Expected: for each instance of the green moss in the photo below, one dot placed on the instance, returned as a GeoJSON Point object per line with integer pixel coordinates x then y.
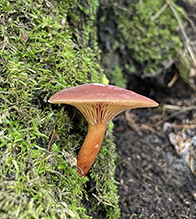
{"type": "Point", "coordinates": [118, 78]}
{"type": "Point", "coordinates": [133, 40]}
{"type": "Point", "coordinates": [41, 53]}
{"type": "Point", "coordinates": [150, 41]}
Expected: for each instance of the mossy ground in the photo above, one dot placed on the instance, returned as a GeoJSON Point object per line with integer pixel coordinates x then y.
{"type": "Point", "coordinates": [152, 39]}
{"type": "Point", "coordinates": [46, 46]}
{"type": "Point", "coordinates": [137, 37]}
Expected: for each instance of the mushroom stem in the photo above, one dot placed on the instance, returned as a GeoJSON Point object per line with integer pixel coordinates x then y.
{"type": "Point", "coordinates": [90, 147]}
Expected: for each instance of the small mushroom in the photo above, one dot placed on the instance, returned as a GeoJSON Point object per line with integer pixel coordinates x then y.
{"type": "Point", "coordinates": [99, 104]}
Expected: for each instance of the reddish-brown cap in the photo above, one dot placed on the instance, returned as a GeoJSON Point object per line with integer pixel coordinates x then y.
{"type": "Point", "coordinates": [100, 103]}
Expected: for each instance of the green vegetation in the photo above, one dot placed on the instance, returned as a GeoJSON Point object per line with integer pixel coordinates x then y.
{"type": "Point", "coordinates": [117, 77]}
{"type": "Point", "coordinates": [137, 37]}
{"type": "Point", "coordinates": [150, 41]}
{"type": "Point", "coordinates": [46, 46]}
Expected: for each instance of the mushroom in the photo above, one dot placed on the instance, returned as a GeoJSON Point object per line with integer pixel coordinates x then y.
{"type": "Point", "coordinates": [99, 104]}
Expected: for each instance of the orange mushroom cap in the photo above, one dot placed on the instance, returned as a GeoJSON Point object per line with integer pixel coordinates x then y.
{"type": "Point", "coordinates": [100, 103]}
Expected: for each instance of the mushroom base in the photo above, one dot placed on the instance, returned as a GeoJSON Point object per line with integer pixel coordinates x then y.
{"type": "Point", "coordinates": [90, 147]}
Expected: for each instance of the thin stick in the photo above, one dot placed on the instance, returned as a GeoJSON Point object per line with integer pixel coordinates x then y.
{"type": "Point", "coordinates": [159, 12]}
{"type": "Point", "coordinates": [81, 171]}
{"type": "Point", "coordinates": [183, 110]}
{"type": "Point", "coordinates": [173, 80]}
{"type": "Point", "coordinates": [51, 139]}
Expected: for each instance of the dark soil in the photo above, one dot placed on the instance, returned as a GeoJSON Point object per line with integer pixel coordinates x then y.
{"type": "Point", "coordinates": [157, 179]}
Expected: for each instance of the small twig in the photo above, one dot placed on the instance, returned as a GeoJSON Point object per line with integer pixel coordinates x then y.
{"type": "Point", "coordinates": [81, 171]}
{"type": "Point", "coordinates": [159, 12]}
{"type": "Point", "coordinates": [131, 122]}
{"type": "Point", "coordinates": [190, 163]}
{"type": "Point", "coordinates": [149, 128]}
{"type": "Point", "coordinates": [51, 139]}
{"type": "Point", "coordinates": [73, 114]}
{"type": "Point", "coordinates": [185, 126]}
{"type": "Point", "coordinates": [173, 80]}
{"type": "Point", "coordinates": [176, 114]}
{"type": "Point", "coordinates": [25, 36]}
{"type": "Point", "coordinates": [5, 42]}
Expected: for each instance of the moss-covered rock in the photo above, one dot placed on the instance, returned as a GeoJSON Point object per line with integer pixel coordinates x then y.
{"type": "Point", "coordinates": [45, 47]}
{"type": "Point", "coordinates": [137, 36]}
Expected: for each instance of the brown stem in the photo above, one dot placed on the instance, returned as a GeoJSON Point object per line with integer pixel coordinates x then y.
{"type": "Point", "coordinates": [90, 147]}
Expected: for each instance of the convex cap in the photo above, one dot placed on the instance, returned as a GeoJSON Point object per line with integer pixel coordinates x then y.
{"type": "Point", "coordinates": [100, 103]}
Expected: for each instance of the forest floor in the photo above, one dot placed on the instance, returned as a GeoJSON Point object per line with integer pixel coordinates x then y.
{"type": "Point", "coordinates": [156, 155]}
